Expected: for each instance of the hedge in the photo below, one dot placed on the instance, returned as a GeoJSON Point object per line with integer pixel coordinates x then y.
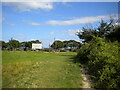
{"type": "Point", "coordinates": [101, 57]}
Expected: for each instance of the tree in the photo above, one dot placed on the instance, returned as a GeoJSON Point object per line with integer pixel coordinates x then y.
{"type": "Point", "coordinates": [114, 35]}
{"type": "Point", "coordinates": [13, 44]}
{"type": "Point", "coordinates": [4, 45]}
{"type": "Point", "coordinates": [57, 44]}
{"type": "Point", "coordinates": [102, 30]}
{"type": "Point", "coordinates": [28, 44]}
{"type": "Point", "coordinates": [105, 28]}
{"type": "Point", "coordinates": [73, 44]}
{"type": "Point", "coordinates": [87, 34]}
{"type": "Point", "coordinates": [65, 44]}
{"type": "Point", "coordinates": [35, 41]}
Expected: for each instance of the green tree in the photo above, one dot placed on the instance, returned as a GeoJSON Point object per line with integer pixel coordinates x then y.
{"type": "Point", "coordinates": [87, 34]}
{"type": "Point", "coordinates": [73, 44]}
{"type": "Point", "coordinates": [4, 45]}
{"type": "Point", "coordinates": [104, 29]}
{"type": "Point", "coordinates": [114, 35]}
{"type": "Point", "coordinates": [13, 44]}
{"type": "Point", "coordinates": [65, 44]}
{"type": "Point", "coordinates": [57, 44]}
{"type": "Point", "coordinates": [28, 44]}
{"type": "Point", "coordinates": [35, 41]}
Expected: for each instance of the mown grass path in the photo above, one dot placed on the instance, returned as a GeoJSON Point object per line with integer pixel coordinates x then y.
{"type": "Point", "coordinates": [40, 70]}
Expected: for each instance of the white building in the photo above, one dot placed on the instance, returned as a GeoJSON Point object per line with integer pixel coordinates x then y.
{"type": "Point", "coordinates": [36, 46]}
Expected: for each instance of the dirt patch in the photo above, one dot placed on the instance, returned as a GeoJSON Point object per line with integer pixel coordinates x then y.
{"type": "Point", "coordinates": [86, 78]}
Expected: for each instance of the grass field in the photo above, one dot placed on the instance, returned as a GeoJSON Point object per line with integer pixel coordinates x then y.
{"type": "Point", "coordinates": [40, 70]}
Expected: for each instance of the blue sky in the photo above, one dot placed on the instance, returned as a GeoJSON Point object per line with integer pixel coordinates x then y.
{"type": "Point", "coordinates": [44, 21]}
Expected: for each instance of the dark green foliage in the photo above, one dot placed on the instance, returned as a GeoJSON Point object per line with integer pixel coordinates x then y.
{"type": "Point", "coordinates": [4, 45]}
{"type": "Point", "coordinates": [102, 60]}
{"type": "Point", "coordinates": [13, 44]}
{"type": "Point", "coordinates": [62, 50]}
{"type": "Point", "coordinates": [29, 43]}
{"type": "Point", "coordinates": [100, 53]}
{"type": "Point", "coordinates": [57, 44]}
{"type": "Point", "coordinates": [74, 50]}
{"type": "Point", "coordinates": [114, 35]}
{"type": "Point", "coordinates": [105, 30]}
{"type": "Point", "coordinates": [73, 44]}
{"type": "Point", "coordinates": [65, 44]}
{"type": "Point", "coordinates": [87, 34]}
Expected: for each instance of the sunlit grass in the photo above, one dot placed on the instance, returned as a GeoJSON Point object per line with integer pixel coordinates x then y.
{"type": "Point", "coordinates": [40, 70]}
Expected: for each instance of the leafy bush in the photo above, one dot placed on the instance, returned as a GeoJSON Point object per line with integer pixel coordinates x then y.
{"type": "Point", "coordinates": [74, 50]}
{"type": "Point", "coordinates": [46, 50]}
{"type": "Point", "coordinates": [62, 50]}
{"type": "Point", "coordinates": [101, 58]}
{"type": "Point", "coordinates": [83, 51]}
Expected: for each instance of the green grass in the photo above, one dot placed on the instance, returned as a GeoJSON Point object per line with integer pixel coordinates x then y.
{"type": "Point", "coordinates": [40, 70]}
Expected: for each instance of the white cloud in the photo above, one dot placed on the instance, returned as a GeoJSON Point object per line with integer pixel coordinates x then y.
{"type": "Point", "coordinates": [28, 6]}
{"type": "Point", "coordinates": [62, 39]}
{"type": "Point", "coordinates": [46, 42]}
{"type": "Point", "coordinates": [11, 24]}
{"type": "Point", "coordinates": [61, 0]}
{"type": "Point", "coordinates": [83, 20]}
{"type": "Point", "coordinates": [2, 19]}
{"type": "Point", "coordinates": [76, 39]}
{"type": "Point", "coordinates": [71, 32]}
{"type": "Point", "coordinates": [35, 24]}
{"type": "Point", "coordinates": [75, 21]}
{"type": "Point", "coordinates": [20, 37]}
{"type": "Point", "coordinates": [32, 39]}
{"type": "Point", "coordinates": [52, 33]}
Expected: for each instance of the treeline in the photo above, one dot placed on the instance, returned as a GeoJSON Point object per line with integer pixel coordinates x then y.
{"type": "Point", "coordinates": [14, 45]}
{"type": "Point", "coordinates": [57, 45]}
{"type": "Point", "coordinates": [100, 54]}
{"type": "Point", "coordinates": [71, 44]}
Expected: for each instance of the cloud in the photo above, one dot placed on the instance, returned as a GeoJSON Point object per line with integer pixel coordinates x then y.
{"type": "Point", "coordinates": [11, 24]}
{"type": "Point", "coordinates": [35, 24]}
{"type": "Point", "coordinates": [70, 32]}
{"type": "Point", "coordinates": [32, 39]}
{"type": "Point", "coordinates": [61, 0]}
{"type": "Point", "coordinates": [78, 40]}
{"type": "Point", "coordinates": [46, 42]}
{"type": "Point", "coordinates": [75, 21]}
{"type": "Point", "coordinates": [83, 20]}
{"type": "Point", "coordinates": [28, 6]}
{"type": "Point", "coordinates": [52, 33]}
{"type": "Point", "coordinates": [20, 37]}
{"type": "Point", "coordinates": [2, 19]}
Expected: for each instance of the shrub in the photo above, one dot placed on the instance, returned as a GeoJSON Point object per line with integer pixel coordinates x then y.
{"type": "Point", "coordinates": [74, 50]}
{"type": "Point", "coordinates": [83, 51]}
{"type": "Point", "coordinates": [101, 58]}
{"type": "Point", "coordinates": [62, 50]}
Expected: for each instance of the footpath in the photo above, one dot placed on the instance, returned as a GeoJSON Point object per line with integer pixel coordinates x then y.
{"type": "Point", "coordinates": [86, 78]}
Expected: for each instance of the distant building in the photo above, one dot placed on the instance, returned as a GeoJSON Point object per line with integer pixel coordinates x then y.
{"type": "Point", "coordinates": [36, 46]}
